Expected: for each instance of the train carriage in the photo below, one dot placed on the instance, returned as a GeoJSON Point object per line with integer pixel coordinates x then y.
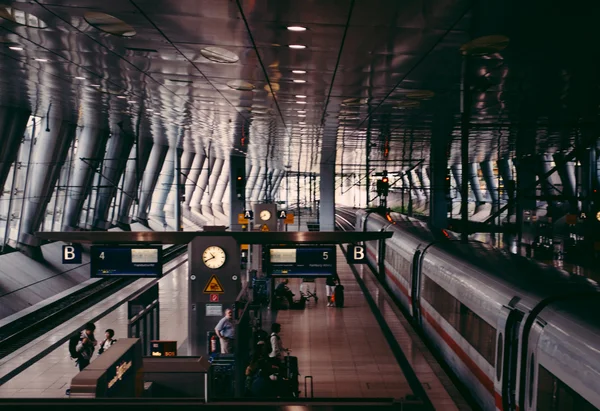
{"type": "Point", "coordinates": [484, 311]}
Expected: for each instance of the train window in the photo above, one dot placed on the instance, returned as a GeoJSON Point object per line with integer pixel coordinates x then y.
{"type": "Point", "coordinates": [472, 327]}
{"type": "Point", "coordinates": [553, 394]}
{"type": "Point", "coordinates": [531, 375]}
{"type": "Point", "coordinates": [478, 333]}
{"type": "Point", "coordinates": [499, 357]}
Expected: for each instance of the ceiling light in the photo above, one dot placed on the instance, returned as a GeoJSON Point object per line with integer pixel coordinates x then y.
{"type": "Point", "coordinates": [109, 24]}
{"type": "Point", "coordinates": [297, 46]}
{"type": "Point", "coordinates": [219, 55]}
{"type": "Point", "coordinates": [302, 123]}
{"type": "Point", "coordinates": [94, 85]}
{"type": "Point", "coordinates": [149, 109]}
{"type": "Point", "coordinates": [301, 111]}
{"type": "Point", "coordinates": [296, 28]}
{"type": "Point", "coordinates": [121, 96]}
{"type": "Point", "coordinates": [79, 78]}
{"type": "Point", "coordinates": [299, 71]}
{"type": "Point", "coordinates": [301, 115]}
{"type": "Point", "coordinates": [131, 102]}
{"type": "Point", "coordinates": [300, 96]}
{"type": "Point", "coordinates": [301, 102]}
{"type": "Point", "coordinates": [299, 81]}
{"type": "Point", "coordinates": [42, 60]}
{"type": "Point", "coordinates": [16, 48]}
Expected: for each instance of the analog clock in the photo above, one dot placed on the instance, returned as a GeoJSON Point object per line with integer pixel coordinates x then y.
{"type": "Point", "coordinates": [265, 215]}
{"type": "Point", "coordinates": [214, 257]}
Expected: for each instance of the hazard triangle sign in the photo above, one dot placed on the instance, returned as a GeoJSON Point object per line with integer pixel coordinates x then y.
{"type": "Point", "coordinates": [213, 286]}
{"type": "Point", "coordinates": [264, 228]}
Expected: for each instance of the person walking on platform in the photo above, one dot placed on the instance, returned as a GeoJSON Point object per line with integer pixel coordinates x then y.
{"type": "Point", "coordinates": [225, 330]}
{"type": "Point", "coordinates": [108, 341]}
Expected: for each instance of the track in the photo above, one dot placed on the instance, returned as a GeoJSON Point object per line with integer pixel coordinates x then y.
{"type": "Point", "coordinates": [30, 327]}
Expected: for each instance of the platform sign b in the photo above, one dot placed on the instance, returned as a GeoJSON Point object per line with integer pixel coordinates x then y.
{"type": "Point", "coordinates": [71, 254]}
{"type": "Point", "coordinates": [356, 254]}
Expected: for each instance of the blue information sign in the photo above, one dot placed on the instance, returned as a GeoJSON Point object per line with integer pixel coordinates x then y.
{"type": "Point", "coordinates": [318, 261]}
{"type": "Point", "coordinates": [112, 261]}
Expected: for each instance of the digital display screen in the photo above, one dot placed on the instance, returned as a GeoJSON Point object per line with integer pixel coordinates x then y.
{"type": "Point", "coordinates": [113, 261]}
{"type": "Point", "coordinates": [301, 261]}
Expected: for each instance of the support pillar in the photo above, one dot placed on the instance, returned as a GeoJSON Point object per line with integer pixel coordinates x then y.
{"type": "Point", "coordinates": [112, 169]}
{"type": "Point", "coordinates": [566, 171]}
{"type": "Point", "coordinates": [250, 182]}
{"type": "Point", "coordinates": [475, 186]}
{"type": "Point", "coordinates": [138, 159]}
{"type": "Point", "coordinates": [258, 184]}
{"type": "Point", "coordinates": [13, 123]}
{"type": "Point", "coordinates": [155, 163]}
{"type": "Point", "coordinates": [215, 173]}
{"type": "Point", "coordinates": [202, 186]}
{"type": "Point", "coordinates": [487, 169]}
{"type": "Point", "coordinates": [548, 183]}
{"type": "Point", "coordinates": [220, 188]}
{"type": "Point", "coordinates": [90, 153]}
{"type": "Point", "coordinates": [192, 179]}
{"type": "Point", "coordinates": [327, 191]}
{"type": "Point", "coordinates": [48, 155]}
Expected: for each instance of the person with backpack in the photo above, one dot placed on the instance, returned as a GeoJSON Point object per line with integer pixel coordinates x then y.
{"type": "Point", "coordinates": [82, 346]}
{"type": "Point", "coordinates": [108, 341]}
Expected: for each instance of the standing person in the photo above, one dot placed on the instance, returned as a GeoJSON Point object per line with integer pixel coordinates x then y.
{"type": "Point", "coordinates": [108, 341]}
{"type": "Point", "coordinates": [86, 346]}
{"type": "Point", "coordinates": [225, 330]}
{"type": "Point", "coordinates": [276, 345]}
{"type": "Point", "coordinates": [330, 284]}
{"type": "Point", "coordinates": [82, 347]}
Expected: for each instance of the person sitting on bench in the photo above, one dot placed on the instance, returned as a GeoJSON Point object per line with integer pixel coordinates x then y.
{"type": "Point", "coordinates": [283, 291]}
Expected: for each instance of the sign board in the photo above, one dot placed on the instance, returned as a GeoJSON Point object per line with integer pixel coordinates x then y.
{"type": "Point", "coordinates": [248, 214]}
{"type": "Point", "coordinates": [264, 228]}
{"type": "Point", "coordinates": [289, 218]}
{"type": "Point", "coordinates": [242, 219]}
{"type": "Point", "coordinates": [213, 286]}
{"type": "Point", "coordinates": [162, 348]}
{"type": "Point", "coordinates": [214, 310]}
{"type": "Point", "coordinates": [281, 214]}
{"type": "Point", "coordinates": [318, 261]}
{"type": "Point", "coordinates": [214, 298]}
{"type": "Point", "coordinates": [113, 261]}
{"type": "Point", "coordinates": [71, 254]}
{"type": "Point", "coordinates": [356, 254]}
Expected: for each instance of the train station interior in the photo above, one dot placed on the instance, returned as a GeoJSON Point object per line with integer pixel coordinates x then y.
{"type": "Point", "coordinates": [300, 205]}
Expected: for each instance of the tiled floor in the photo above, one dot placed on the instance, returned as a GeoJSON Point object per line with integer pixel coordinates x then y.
{"type": "Point", "coordinates": [51, 376]}
{"type": "Point", "coordinates": [342, 348]}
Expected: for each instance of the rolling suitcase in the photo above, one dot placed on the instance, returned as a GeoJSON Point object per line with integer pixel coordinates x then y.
{"type": "Point", "coordinates": [339, 295]}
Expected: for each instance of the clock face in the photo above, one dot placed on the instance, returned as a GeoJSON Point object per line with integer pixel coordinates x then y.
{"type": "Point", "coordinates": [214, 257]}
{"type": "Point", "coordinates": [265, 215]}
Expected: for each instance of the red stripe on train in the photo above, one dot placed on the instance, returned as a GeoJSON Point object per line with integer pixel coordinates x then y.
{"type": "Point", "coordinates": [461, 354]}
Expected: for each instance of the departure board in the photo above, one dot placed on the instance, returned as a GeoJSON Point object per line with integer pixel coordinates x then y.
{"type": "Point", "coordinates": [318, 261]}
{"type": "Point", "coordinates": [113, 261]}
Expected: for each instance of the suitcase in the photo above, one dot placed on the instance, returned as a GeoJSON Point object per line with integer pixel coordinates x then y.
{"type": "Point", "coordinates": [291, 367]}
{"type": "Point", "coordinates": [339, 295]}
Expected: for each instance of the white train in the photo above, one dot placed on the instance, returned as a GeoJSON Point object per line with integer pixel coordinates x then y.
{"type": "Point", "coordinates": [519, 334]}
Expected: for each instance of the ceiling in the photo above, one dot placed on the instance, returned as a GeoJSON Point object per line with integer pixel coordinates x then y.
{"type": "Point", "coordinates": [384, 69]}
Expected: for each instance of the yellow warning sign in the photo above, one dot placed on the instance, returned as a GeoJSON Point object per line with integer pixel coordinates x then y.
{"type": "Point", "coordinates": [241, 219]}
{"type": "Point", "coordinates": [213, 286]}
{"type": "Point", "coordinates": [244, 246]}
{"type": "Point", "coordinates": [289, 218]}
{"type": "Point", "coordinates": [264, 227]}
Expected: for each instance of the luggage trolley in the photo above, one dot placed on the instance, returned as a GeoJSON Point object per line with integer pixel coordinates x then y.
{"type": "Point", "coordinates": [308, 289]}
